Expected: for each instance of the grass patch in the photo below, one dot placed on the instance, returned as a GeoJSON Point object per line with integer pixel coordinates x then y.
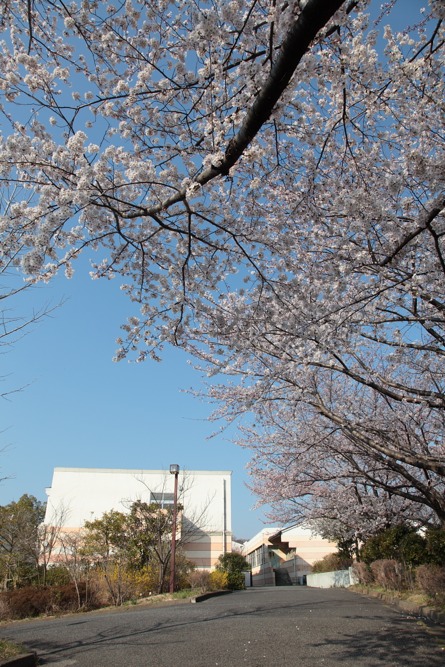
{"type": "Point", "coordinates": [10, 650]}
{"type": "Point", "coordinates": [165, 597]}
{"type": "Point", "coordinates": [186, 593]}
{"type": "Point", "coordinates": [416, 597]}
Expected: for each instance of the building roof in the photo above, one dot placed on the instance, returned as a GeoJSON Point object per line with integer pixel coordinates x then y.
{"type": "Point", "coordinates": [136, 471]}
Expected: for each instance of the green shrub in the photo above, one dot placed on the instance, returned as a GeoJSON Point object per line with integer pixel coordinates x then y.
{"type": "Point", "coordinates": [232, 562]}
{"type": "Point", "coordinates": [400, 543]}
{"type": "Point", "coordinates": [413, 549]}
{"type": "Point", "coordinates": [236, 581]}
{"type": "Point", "coordinates": [435, 546]}
{"type": "Point", "coordinates": [57, 575]}
{"type": "Point", "coordinates": [234, 565]}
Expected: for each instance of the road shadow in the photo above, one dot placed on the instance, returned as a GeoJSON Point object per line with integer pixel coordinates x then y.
{"type": "Point", "coordinates": [396, 642]}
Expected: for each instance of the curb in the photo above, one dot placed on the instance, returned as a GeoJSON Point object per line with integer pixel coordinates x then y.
{"type": "Point", "coordinates": [206, 596]}
{"type": "Point", "coordinates": [22, 660]}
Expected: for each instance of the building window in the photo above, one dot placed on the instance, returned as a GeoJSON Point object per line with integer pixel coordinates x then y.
{"type": "Point", "coordinates": [257, 557]}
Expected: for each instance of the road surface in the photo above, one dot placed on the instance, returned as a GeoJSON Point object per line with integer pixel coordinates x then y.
{"type": "Point", "coordinates": [285, 626]}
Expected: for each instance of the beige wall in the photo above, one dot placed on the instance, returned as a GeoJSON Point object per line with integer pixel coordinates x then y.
{"type": "Point", "coordinates": [263, 575]}
{"type": "Point", "coordinates": [309, 548]}
{"type": "Point", "coordinates": [204, 552]}
{"type": "Point", "coordinates": [304, 546]}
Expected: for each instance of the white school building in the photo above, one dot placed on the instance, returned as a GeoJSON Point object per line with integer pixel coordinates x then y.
{"type": "Point", "coordinates": [78, 495]}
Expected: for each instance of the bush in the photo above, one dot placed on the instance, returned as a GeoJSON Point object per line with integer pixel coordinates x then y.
{"type": "Point", "coordinates": [413, 549]}
{"type": "Point", "coordinates": [435, 546]}
{"type": "Point", "coordinates": [236, 581]}
{"type": "Point", "coordinates": [363, 572]}
{"type": "Point", "coordinates": [57, 575]}
{"type": "Point", "coordinates": [142, 582]}
{"type": "Point", "coordinates": [389, 574]}
{"type": "Point", "coordinates": [218, 580]}
{"type": "Point", "coordinates": [183, 568]}
{"type": "Point", "coordinates": [431, 580]}
{"type": "Point", "coordinates": [331, 563]}
{"type": "Point", "coordinates": [400, 543]}
{"type": "Point", "coordinates": [67, 598]}
{"type": "Point", "coordinates": [32, 601]}
{"type": "Point", "coordinates": [115, 584]}
{"type": "Point", "coordinates": [232, 562]}
{"type": "Point", "coordinates": [199, 579]}
{"type": "Point", "coordinates": [28, 601]}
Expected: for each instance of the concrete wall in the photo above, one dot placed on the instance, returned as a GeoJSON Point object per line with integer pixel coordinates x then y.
{"type": "Point", "coordinates": [337, 579]}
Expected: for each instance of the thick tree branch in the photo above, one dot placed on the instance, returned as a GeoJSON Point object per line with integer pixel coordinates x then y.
{"type": "Point", "coordinates": [315, 15]}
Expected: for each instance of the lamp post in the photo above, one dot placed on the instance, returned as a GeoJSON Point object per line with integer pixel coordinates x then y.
{"type": "Point", "coordinates": [174, 470]}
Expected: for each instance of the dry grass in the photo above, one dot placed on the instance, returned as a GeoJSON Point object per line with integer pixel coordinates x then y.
{"type": "Point", "coordinates": [416, 597]}
{"type": "Point", "coordinates": [10, 650]}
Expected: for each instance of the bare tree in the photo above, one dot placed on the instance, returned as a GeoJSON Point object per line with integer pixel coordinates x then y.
{"type": "Point", "coordinates": [73, 555]}
{"type": "Point", "coordinates": [153, 523]}
{"type": "Point", "coordinates": [49, 539]}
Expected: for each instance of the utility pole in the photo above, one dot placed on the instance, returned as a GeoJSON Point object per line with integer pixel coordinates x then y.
{"type": "Point", "coordinates": [174, 470]}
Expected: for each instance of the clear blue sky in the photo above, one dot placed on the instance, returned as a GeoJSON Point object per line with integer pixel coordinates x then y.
{"type": "Point", "coordinates": [80, 409]}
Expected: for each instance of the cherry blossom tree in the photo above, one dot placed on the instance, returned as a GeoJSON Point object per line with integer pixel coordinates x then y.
{"type": "Point", "coordinates": [309, 471]}
{"type": "Point", "coordinates": [124, 132]}
{"type": "Point", "coordinates": [268, 182]}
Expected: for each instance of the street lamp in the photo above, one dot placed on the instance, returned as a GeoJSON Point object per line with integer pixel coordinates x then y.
{"type": "Point", "coordinates": [174, 470]}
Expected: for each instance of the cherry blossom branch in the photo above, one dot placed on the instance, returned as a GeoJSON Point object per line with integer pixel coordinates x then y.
{"type": "Point", "coordinates": [313, 17]}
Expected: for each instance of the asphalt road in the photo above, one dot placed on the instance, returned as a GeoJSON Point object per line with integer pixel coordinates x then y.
{"type": "Point", "coordinates": [285, 626]}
